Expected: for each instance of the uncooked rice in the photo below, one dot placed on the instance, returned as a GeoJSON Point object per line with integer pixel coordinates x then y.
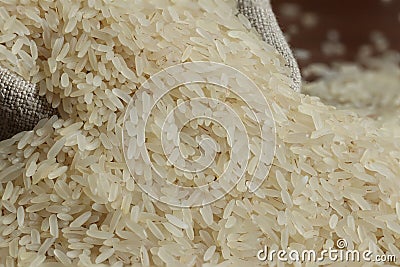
{"type": "Point", "coordinates": [68, 196]}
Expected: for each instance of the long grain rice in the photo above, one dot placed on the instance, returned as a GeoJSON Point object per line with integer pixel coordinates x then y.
{"type": "Point", "coordinates": [69, 198]}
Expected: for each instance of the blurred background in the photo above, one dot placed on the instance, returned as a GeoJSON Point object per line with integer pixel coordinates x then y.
{"type": "Point", "coordinates": [328, 31]}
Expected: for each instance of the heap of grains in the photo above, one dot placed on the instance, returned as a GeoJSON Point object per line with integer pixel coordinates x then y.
{"type": "Point", "coordinates": [370, 87]}
{"type": "Point", "coordinates": [68, 197]}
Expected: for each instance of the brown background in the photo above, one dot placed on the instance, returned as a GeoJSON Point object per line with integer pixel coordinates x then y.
{"type": "Point", "coordinates": [353, 19]}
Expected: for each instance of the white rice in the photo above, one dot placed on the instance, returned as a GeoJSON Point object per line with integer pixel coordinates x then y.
{"type": "Point", "coordinates": [209, 253]}
{"type": "Point", "coordinates": [68, 197]}
{"type": "Point", "coordinates": [81, 219]}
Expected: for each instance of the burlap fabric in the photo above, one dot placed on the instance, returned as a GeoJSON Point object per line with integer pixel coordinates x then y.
{"type": "Point", "coordinates": [21, 107]}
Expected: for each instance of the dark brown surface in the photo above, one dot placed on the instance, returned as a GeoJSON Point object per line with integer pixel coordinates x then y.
{"type": "Point", "coordinates": [354, 20]}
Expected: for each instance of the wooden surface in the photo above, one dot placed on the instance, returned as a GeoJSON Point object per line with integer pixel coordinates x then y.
{"type": "Point", "coordinates": [354, 20]}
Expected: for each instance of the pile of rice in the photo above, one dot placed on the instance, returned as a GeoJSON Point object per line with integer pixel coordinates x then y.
{"type": "Point", "coordinates": [370, 87]}
{"type": "Point", "coordinates": [68, 197]}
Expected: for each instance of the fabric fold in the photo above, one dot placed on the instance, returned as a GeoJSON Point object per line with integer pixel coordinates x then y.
{"type": "Point", "coordinates": [21, 107]}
